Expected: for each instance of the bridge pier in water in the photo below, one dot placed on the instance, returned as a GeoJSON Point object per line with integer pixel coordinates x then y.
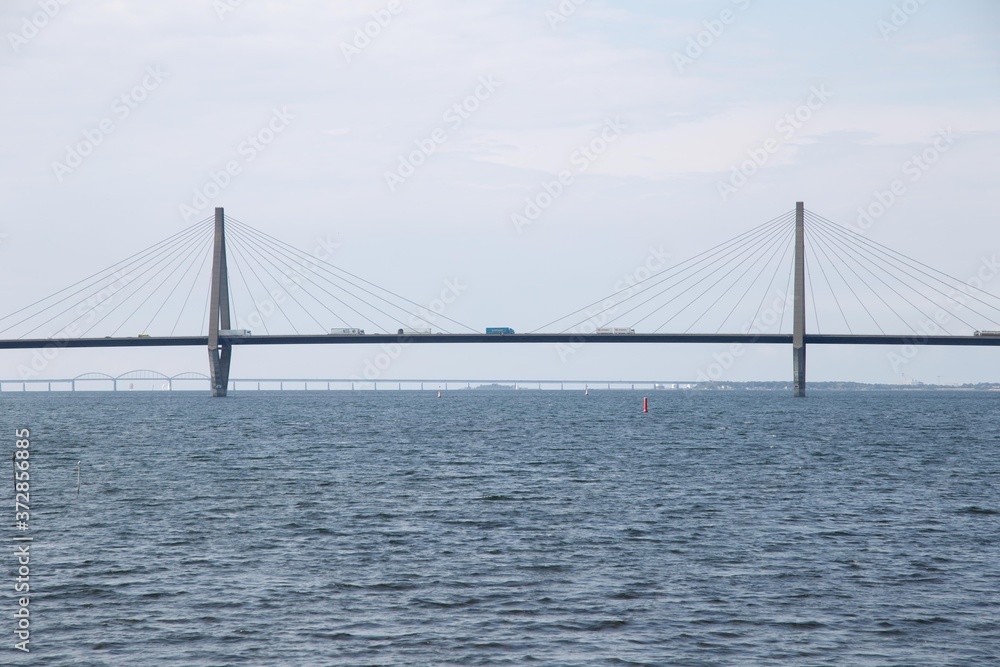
{"type": "Point", "coordinates": [799, 321]}
{"type": "Point", "coordinates": [220, 355]}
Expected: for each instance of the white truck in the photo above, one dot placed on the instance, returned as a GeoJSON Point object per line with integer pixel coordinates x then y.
{"type": "Point", "coordinates": [413, 332]}
{"type": "Point", "coordinates": [615, 330]}
{"type": "Point", "coordinates": [347, 332]}
{"type": "Point", "coordinates": [234, 332]}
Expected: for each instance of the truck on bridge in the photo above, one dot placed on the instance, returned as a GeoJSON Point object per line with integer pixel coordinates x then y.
{"type": "Point", "coordinates": [235, 332]}
{"type": "Point", "coordinates": [987, 333]}
{"type": "Point", "coordinates": [615, 330]}
{"type": "Point", "coordinates": [347, 332]}
{"type": "Point", "coordinates": [499, 331]}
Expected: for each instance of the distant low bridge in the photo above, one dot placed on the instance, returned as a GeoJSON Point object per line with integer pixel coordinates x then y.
{"type": "Point", "coordinates": [88, 382]}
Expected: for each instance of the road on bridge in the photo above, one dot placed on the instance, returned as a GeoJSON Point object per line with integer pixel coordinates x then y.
{"type": "Point", "coordinates": [509, 339]}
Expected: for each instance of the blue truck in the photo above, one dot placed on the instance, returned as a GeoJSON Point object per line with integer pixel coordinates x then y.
{"type": "Point", "coordinates": [499, 331]}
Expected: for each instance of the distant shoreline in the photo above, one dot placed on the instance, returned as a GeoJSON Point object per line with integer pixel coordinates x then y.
{"type": "Point", "coordinates": [316, 385]}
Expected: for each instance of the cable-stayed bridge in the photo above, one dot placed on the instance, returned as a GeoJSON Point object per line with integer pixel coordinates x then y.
{"type": "Point", "coordinates": [798, 279]}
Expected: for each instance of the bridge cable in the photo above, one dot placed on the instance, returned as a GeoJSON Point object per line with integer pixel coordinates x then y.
{"type": "Point", "coordinates": [239, 270]}
{"type": "Point", "coordinates": [278, 253]}
{"type": "Point", "coordinates": [812, 292]}
{"type": "Point", "coordinates": [146, 251]}
{"type": "Point", "coordinates": [140, 255]}
{"type": "Point", "coordinates": [193, 256]}
{"type": "Point", "coordinates": [289, 291]}
{"type": "Point", "coordinates": [742, 254]}
{"type": "Point", "coordinates": [784, 300]}
{"type": "Point", "coordinates": [763, 267]}
{"type": "Point", "coordinates": [878, 296]}
{"type": "Point", "coordinates": [832, 250]}
{"type": "Point", "coordinates": [661, 278]}
{"type": "Point", "coordinates": [205, 309]}
{"type": "Point", "coordinates": [879, 264]}
{"type": "Point", "coordinates": [776, 245]}
{"type": "Point", "coordinates": [747, 252]}
{"type": "Point", "coordinates": [704, 264]}
{"type": "Point", "coordinates": [848, 286]}
{"type": "Point", "coordinates": [233, 308]}
{"type": "Point", "coordinates": [323, 264]}
{"type": "Point", "coordinates": [290, 268]}
{"type": "Point", "coordinates": [167, 260]}
{"type": "Point", "coordinates": [812, 247]}
{"type": "Point", "coordinates": [859, 259]}
{"type": "Point", "coordinates": [884, 248]}
{"type": "Point", "coordinates": [181, 245]}
{"type": "Point", "coordinates": [253, 302]}
{"type": "Point", "coordinates": [178, 246]}
{"type": "Point", "coordinates": [833, 228]}
{"type": "Point", "coordinates": [784, 306]}
{"type": "Point", "coordinates": [238, 247]}
{"type": "Point", "coordinates": [696, 268]}
{"type": "Point", "coordinates": [749, 255]}
{"type": "Point", "coordinates": [197, 274]}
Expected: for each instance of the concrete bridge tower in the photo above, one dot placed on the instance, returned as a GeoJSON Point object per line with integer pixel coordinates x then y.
{"type": "Point", "coordinates": [799, 321]}
{"type": "Point", "coordinates": [220, 355]}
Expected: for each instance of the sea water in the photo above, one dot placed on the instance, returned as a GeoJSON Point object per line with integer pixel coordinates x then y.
{"type": "Point", "coordinates": [508, 528]}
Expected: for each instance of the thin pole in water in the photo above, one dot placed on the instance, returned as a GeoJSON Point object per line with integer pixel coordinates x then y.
{"type": "Point", "coordinates": [77, 478]}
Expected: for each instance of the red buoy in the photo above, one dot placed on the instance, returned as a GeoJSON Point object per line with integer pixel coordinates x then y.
{"type": "Point", "coordinates": [645, 404]}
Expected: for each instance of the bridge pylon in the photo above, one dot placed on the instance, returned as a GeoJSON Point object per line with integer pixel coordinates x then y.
{"type": "Point", "coordinates": [220, 355]}
{"type": "Point", "coordinates": [799, 320]}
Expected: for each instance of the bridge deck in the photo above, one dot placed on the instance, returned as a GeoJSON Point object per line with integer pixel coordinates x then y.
{"type": "Point", "coordinates": [534, 338]}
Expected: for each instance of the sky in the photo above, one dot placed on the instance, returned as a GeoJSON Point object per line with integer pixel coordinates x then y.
{"type": "Point", "coordinates": [414, 144]}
